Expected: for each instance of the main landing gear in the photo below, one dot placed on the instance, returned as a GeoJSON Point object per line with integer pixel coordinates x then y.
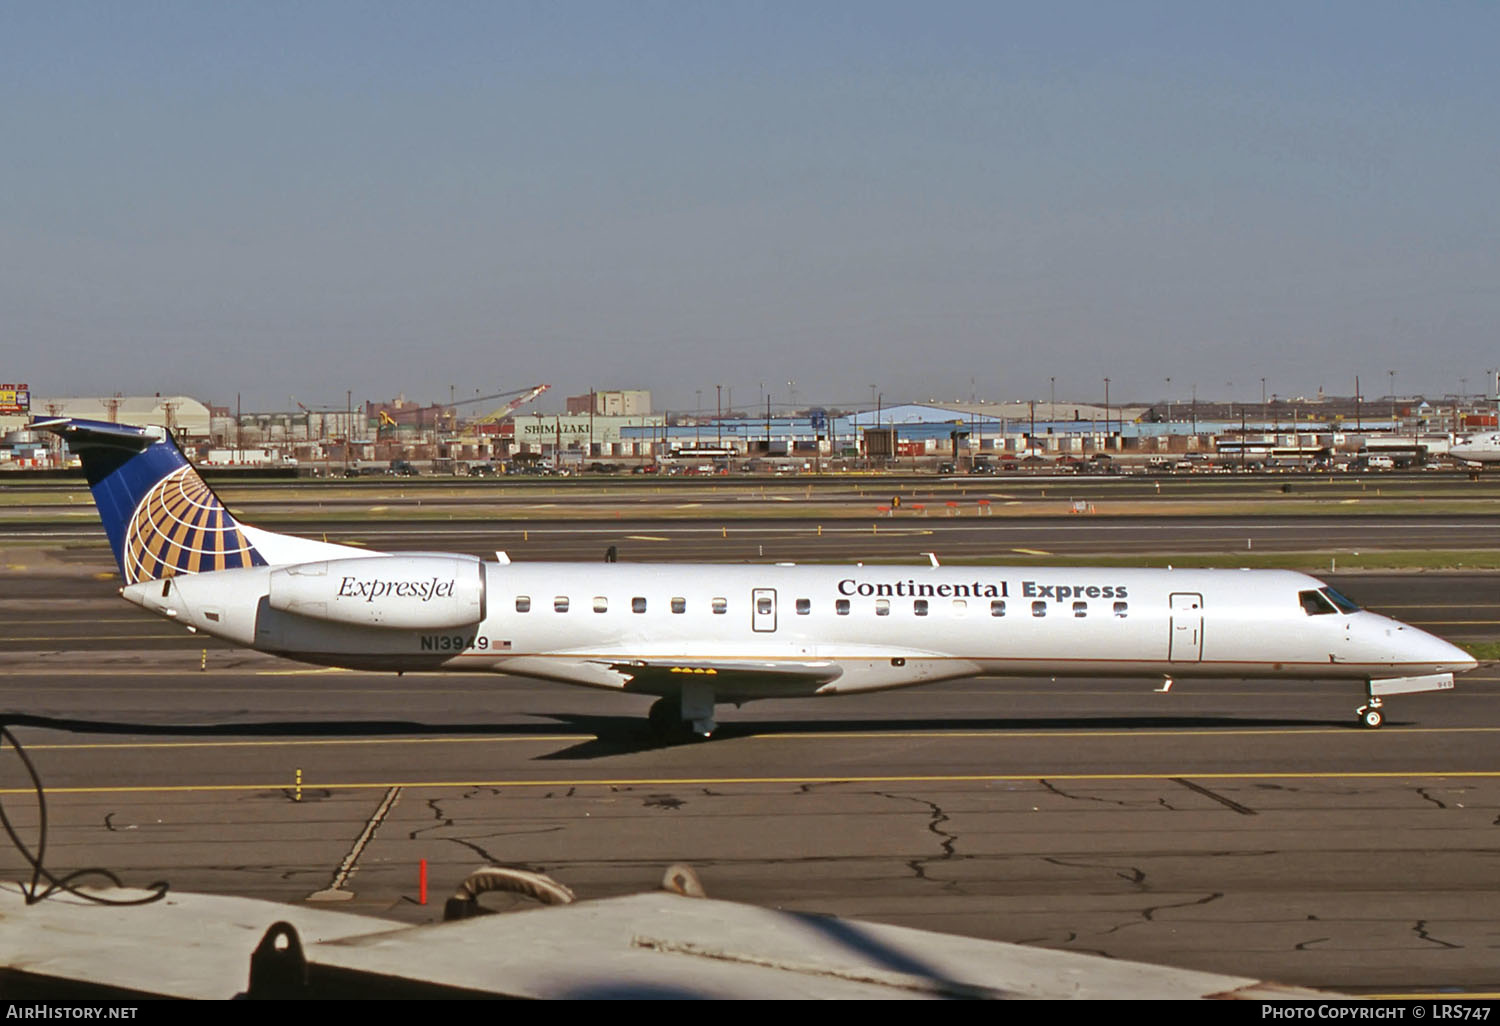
{"type": "Point", "coordinates": [1370, 715]}
{"type": "Point", "coordinates": [667, 723]}
{"type": "Point", "coordinates": [684, 716]}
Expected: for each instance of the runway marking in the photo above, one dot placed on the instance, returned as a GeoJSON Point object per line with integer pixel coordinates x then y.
{"type": "Point", "coordinates": [1439, 605]}
{"type": "Point", "coordinates": [280, 787]}
{"type": "Point", "coordinates": [140, 618]}
{"type": "Point", "coordinates": [646, 537]}
{"type": "Point", "coordinates": [100, 637]}
{"type": "Point", "coordinates": [1032, 552]}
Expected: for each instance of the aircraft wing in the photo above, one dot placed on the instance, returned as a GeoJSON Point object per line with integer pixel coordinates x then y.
{"type": "Point", "coordinates": [650, 674]}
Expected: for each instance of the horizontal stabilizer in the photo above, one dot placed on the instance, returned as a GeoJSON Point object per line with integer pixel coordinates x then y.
{"type": "Point", "coordinates": [94, 433]}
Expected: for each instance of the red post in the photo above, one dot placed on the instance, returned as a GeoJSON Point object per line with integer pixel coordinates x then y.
{"type": "Point", "coordinates": [422, 883]}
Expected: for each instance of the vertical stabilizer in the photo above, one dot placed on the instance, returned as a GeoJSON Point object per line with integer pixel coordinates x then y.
{"type": "Point", "coordinates": [160, 517]}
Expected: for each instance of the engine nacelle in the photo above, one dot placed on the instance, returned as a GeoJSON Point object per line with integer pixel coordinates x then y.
{"type": "Point", "coordinates": [402, 592]}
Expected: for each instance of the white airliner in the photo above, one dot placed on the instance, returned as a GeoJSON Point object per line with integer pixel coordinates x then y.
{"type": "Point", "coordinates": [1480, 448]}
{"type": "Point", "coordinates": [696, 635]}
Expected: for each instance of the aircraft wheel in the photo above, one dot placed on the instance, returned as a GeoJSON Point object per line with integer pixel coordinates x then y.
{"type": "Point", "coordinates": [1371, 718]}
{"type": "Point", "coordinates": [667, 722]}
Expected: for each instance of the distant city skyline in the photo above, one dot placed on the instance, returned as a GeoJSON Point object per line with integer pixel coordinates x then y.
{"type": "Point", "coordinates": [944, 200]}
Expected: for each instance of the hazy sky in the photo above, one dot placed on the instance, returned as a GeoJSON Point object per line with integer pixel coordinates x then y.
{"type": "Point", "coordinates": [295, 199]}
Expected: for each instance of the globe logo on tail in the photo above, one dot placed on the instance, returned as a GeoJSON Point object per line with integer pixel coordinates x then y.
{"type": "Point", "coordinates": [180, 527]}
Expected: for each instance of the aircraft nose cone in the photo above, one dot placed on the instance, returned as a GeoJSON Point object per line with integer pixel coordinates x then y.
{"type": "Point", "coordinates": [1444, 656]}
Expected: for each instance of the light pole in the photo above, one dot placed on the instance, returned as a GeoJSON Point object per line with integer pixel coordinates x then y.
{"type": "Point", "coordinates": [1106, 412]}
{"type": "Point", "coordinates": [1169, 400]}
{"type": "Point", "coordinates": [719, 413]}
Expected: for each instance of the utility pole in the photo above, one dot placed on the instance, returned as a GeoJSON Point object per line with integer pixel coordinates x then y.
{"type": "Point", "coordinates": [1106, 413]}
{"type": "Point", "coordinates": [1393, 400]}
{"type": "Point", "coordinates": [719, 413]}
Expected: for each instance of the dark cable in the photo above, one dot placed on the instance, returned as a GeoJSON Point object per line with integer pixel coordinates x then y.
{"type": "Point", "coordinates": [66, 884]}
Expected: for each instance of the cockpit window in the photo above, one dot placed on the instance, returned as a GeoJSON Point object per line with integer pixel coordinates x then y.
{"type": "Point", "coordinates": [1345, 604]}
{"type": "Point", "coordinates": [1314, 603]}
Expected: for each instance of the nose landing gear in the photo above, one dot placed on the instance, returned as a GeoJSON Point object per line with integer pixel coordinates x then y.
{"type": "Point", "coordinates": [1370, 714]}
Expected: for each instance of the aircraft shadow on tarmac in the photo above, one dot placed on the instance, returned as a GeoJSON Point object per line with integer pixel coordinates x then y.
{"type": "Point", "coordinates": [625, 735]}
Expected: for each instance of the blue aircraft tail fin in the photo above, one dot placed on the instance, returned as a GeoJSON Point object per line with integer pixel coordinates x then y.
{"type": "Point", "coordinates": [161, 518]}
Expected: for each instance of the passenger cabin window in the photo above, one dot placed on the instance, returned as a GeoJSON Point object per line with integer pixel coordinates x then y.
{"type": "Point", "coordinates": [1080, 609]}
{"type": "Point", "coordinates": [720, 606]}
{"type": "Point", "coordinates": [804, 606]}
{"type": "Point", "coordinates": [638, 605]}
{"type": "Point", "coordinates": [1039, 609]}
{"type": "Point", "coordinates": [560, 603]}
{"type": "Point", "coordinates": [919, 606]}
{"type": "Point", "coordinates": [841, 607]}
{"type": "Point", "coordinates": [997, 607]}
{"type": "Point", "coordinates": [1121, 609]}
{"type": "Point", "coordinates": [1315, 603]}
{"type": "Point", "coordinates": [679, 604]}
{"type": "Point", "coordinates": [763, 605]}
{"type": "Point", "coordinates": [882, 607]}
{"type": "Point", "coordinates": [523, 603]}
{"type": "Point", "coordinates": [601, 604]}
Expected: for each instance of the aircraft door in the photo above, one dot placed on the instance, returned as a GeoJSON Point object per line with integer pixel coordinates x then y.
{"type": "Point", "coordinates": [1186, 645]}
{"type": "Point", "coordinates": [763, 609]}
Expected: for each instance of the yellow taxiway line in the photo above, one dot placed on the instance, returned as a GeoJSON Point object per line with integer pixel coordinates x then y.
{"type": "Point", "coordinates": [617, 782]}
{"type": "Point", "coordinates": [870, 735]}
